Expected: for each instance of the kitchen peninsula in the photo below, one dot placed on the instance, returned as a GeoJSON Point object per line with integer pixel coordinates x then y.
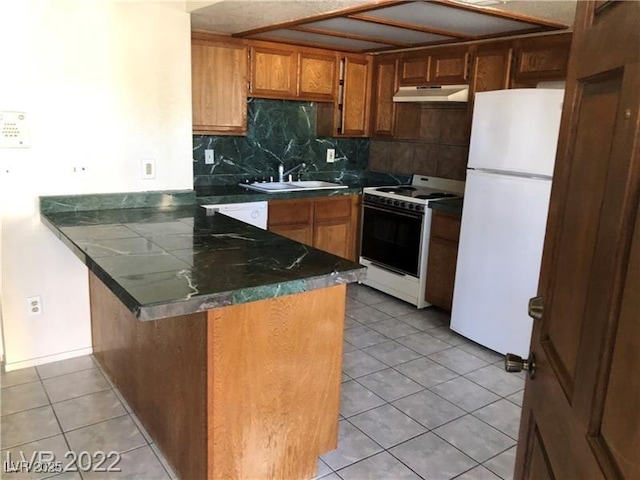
{"type": "Point", "coordinates": [225, 340]}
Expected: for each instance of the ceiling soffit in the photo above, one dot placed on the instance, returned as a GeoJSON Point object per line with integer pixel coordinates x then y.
{"type": "Point", "coordinates": [392, 25]}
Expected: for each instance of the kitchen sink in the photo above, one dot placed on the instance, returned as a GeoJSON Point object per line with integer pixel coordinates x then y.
{"type": "Point", "coordinates": [274, 187]}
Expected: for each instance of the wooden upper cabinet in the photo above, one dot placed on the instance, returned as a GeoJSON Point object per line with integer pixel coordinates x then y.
{"type": "Point", "coordinates": [540, 59]}
{"type": "Point", "coordinates": [491, 67]}
{"type": "Point", "coordinates": [413, 70]}
{"type": "Point", "coordinates": [317, 76]}
{"type": "Point", "coordinates": [291, 72]}
{"type": "Point", "coordinates": [355, 96]}
{"type": "Point", "coordinates": [449, 66]}
{"type": "Point", "coordinates": [219, 83]}
{"type": "Point", "coordinates": [273, 72]}
{"type": "Point", "coordinates": [384, 87]}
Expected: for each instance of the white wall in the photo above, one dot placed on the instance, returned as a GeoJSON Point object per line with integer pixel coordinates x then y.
{"type": "Point", "coordinates": [105, 84]}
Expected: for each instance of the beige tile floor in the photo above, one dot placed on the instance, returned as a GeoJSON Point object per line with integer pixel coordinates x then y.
{"type": "Point", "coordinates": [418, 402]}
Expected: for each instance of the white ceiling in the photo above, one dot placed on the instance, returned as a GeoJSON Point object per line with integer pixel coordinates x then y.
{"type": "Point", "coordinates": [236, 16]}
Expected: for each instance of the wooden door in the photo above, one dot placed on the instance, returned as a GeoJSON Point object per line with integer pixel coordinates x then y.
{"type": "Point", "coordinates": [384, 87]}
{"type": "Point", "coordinates": [219, 88]}
{"type": "Point", "coordinates": [580, 414]}
{"type": "Point", "coordinates": [273, 72]}
{"type": "Point", "coordinates": [355, 100]}
{"type": "Point", "coordinates": [317, 76]}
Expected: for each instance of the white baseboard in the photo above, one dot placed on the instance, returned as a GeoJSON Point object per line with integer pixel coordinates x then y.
{"type": "Point", "coordinates": [48, 359]}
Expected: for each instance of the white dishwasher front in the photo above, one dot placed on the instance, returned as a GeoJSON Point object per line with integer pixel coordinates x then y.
{"type": "Point", "coordinates": [253, 213]}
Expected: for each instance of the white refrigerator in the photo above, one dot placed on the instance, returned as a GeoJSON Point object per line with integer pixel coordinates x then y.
{"type": "Point", "coordinates": [514, 136]}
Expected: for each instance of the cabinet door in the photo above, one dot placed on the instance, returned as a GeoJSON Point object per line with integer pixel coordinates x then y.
{"type": "Point", "coordinates": [491, 68]}
{"type": "Point", "coordinates": [443, 256]}
{"type": "Point", "coordinates": [414, 70]}
{"type": "Point", "coordinates": [449, 66]}
{"type": "Point", "coordinates": [355, 97]}
{"type": "Point", "coordinates": [540, 59]}
{"type": "Point", "coordinates": [317, 76]}
{"type": "Point", "coordinates": [333, 236]}
{"type": "Point", "coordinates": [335, 222]}
{"type": "Point", "coordinates": [441, 272]}
{"type": "Point", "coordinates": [219, 82]}
{"type": "Point", "coordinates": [383, 106]}
{"type": "Point", "coordinates": [300, 232]}
{"type": "Point", "coordinates": [273, 72]}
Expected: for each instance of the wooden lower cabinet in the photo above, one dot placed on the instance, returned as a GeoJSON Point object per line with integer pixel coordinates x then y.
{"type": "Point", "coordinates": [443, 255]}
{"type": "Point", "coordinates": [225, 396]}
{"type": "Point", "coordinates": [326, 223]}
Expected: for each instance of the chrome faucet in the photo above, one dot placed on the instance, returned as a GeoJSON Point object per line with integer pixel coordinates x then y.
{"type": "Point", "coordinates": [282, 174]}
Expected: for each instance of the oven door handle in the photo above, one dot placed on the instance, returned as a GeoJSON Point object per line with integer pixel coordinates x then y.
{"type": "Point", "coordinates": [388, 269]}
{"type": "Point", "coordinates": [394, 211]}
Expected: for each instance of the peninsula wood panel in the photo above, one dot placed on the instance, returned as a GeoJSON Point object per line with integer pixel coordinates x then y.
{"type": "Point", "coordinates": [275, 372]}
{"type": "Point", "coordinates": [299, 232]}
{"type": "Point", "coordinates": [160, 369]}
{"type": "Point", "coordinates": [219, 79]}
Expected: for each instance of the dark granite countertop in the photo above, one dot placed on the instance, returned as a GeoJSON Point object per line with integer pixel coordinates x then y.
{"type": "Point", "coordinates": [452, 205]}
{"type": "Point", "coordinates": [176, 260]}
{"type": "Point", "coordinates": [214, 194]}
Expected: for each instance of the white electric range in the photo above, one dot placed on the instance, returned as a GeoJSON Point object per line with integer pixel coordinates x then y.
{"type": "Point", "coordinates": [396, 224]}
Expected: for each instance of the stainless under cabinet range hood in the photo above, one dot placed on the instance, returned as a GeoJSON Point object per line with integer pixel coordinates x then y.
{"type": "Point", "coordinates": [433, 93]}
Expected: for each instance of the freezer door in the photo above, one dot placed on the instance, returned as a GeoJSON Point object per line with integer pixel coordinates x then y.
{"type": "Point", "coordinates": [499, 256]}
{"type": "Point", "coordinates": [516, 130]}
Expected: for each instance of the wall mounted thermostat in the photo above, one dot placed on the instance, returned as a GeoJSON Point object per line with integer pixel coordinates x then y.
{"type": "Point", "coordinates": [14, 130]}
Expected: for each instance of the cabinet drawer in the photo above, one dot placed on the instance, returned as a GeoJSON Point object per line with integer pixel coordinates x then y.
{"type": "Point", "coordinates": [288, 212]}
{"type": "Point", "coordinates": [333, 208]}
{"type": "Point", "coordinates": [445, 226]}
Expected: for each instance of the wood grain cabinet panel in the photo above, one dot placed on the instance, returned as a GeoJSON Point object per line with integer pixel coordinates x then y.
{"type": "Point", "coordinates": [449, 66]}
{"type": "Point", "coordinates": [317, 76]}
{"type": "Point", "coordinates": [491, 68]}
{"type": "Point", "coordinates": [219, 79]}
{"type": "Point", "coordinates": [326, 223]}
{"type": "Point", "coordinates": [414, 70]}
{"type": "Point", "coordinates": [383, 106]}
{"type": "Point", "coordinates": [355, 99]}
{"type": "Point", "coordinates": [541, 59]}
{"type": "Point", "coordinates": [273, 72]}
{"type": "Point", "coordinates": [443, 256]}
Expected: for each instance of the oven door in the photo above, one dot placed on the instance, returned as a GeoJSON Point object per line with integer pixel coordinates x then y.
{"type": "Point", "coordinates": [392, 238]}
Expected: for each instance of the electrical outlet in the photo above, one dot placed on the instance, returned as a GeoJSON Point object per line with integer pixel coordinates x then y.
{"type": "Point", "coordinates": [148, 168]}
{"type": "Point", "coordinates": [208, 156]}
{"type": "Point", "coordinates": [331, 155]}
{"type": "Point", "coordinates": [34, 306]}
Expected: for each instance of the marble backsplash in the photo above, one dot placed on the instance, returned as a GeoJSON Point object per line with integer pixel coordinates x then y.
{"type": "Point", "coordinates": [279, 131]}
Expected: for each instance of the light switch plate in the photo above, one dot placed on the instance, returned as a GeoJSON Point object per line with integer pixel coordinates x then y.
{"type": "Point", "coordinates": [14, 130]}
{"type": "Point", "coordinates": [331, 155]}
